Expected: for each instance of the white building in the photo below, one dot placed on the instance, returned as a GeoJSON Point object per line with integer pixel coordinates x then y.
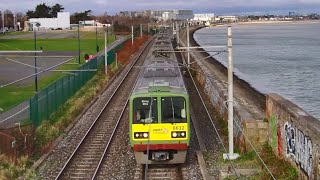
{"type": "Point", "coordinates": [204, 17]}
{"type": "Point", "coordinates": [168, 16]}
{"type": "Point", "coordinates": [226, 19]}
{"type": "Point", "coordinates": [62, 21]}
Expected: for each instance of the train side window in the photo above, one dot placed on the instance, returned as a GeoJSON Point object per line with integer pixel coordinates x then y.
{"type": "Point", "coordinates": [173, 110]}
{"type": "Point", "coordinates": [145, 110]}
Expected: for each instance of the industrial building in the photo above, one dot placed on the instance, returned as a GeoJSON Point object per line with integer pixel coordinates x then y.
{"type": "Point", "coordinates": [61, 22]}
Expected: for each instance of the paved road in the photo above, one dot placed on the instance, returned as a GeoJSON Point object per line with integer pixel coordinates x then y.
{"type": "Point", "coordinates": [21, 111]}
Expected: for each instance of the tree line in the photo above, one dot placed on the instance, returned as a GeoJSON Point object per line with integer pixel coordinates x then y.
{"type": "Point", "coordinates": [121, 24]}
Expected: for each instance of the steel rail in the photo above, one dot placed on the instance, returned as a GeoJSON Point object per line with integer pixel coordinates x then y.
{"type": "Point", "coordinates": [94, 122]}
{"type": "Point", "coordinates": [125, 106]}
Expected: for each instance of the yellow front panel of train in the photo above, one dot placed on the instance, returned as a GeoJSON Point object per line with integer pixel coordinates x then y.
{"type": "Point", "coordinates": [160, 132]}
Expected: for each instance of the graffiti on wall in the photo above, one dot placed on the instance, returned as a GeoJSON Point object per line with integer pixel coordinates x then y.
{"type": "Point", "coordinates": [299, 147]}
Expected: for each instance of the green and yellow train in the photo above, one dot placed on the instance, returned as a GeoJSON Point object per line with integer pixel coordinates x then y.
{"type": "Point", "coordinates": [159, 108]}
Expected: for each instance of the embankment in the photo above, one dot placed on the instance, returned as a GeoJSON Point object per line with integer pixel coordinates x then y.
{"type": "Point", "coordinates": [293, 134]}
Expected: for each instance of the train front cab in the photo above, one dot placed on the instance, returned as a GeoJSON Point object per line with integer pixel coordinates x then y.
{"type": "Point", "coordinates": [160, 123]}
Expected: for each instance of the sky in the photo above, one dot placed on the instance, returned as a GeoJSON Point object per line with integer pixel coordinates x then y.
{"type": "Point", "coordinates": [198, 6]}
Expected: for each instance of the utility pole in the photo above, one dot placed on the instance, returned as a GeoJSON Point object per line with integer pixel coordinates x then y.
{"type": "Point", "coordinates": [97, 47]}
{"type": "Point", "coordinates": [79, 41]}
{"type": "Point", "coordinates": [231, 154]}
{"type": "Point", "coordinates": [14, 22]}
{"type": "Point", "coordinates": [106, 50]}
{"type": "Point", "coordinates": [132, 35]}
{"type": "Point", "coordinates": [2, 15]}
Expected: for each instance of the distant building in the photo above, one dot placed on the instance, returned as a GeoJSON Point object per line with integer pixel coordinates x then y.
{"type": "Point", "coordinates": [204, 17]}
{"type": "Point", "coordinates": [183, 14]}
{"type": "Point", "coordinates": [223, 19]}
{"type": "Point", "coordinates": [61, 22]}
{"type": "Point", "coordinates": [92, 23]}
{"type": "Point", "coordinates": [168, 16]}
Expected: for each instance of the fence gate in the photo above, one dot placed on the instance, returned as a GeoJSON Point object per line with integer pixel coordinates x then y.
{"type": "Point", "coordinates": [8, 146]}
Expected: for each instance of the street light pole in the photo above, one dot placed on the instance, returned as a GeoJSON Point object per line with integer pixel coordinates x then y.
{"type": "Point", "coordinates": [97, 47]}
{"type": "Point", "coordinates": [79, 41]}
{"type": "Point", "coordinates": [35, 61]}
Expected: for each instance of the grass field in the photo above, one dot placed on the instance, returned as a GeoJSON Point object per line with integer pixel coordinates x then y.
{"type": "Point", "coordinates": [12, 95]}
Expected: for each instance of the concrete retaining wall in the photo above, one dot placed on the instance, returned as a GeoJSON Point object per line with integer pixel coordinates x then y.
{"type": "Point", "coordinates": [294, 135]}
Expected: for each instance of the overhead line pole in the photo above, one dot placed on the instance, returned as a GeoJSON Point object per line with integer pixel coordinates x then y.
{"type": "Point", "coordinates": [188, 44]}
{"type": "Point", "coordinates": [231, 155]}
{"type": "Point", "coordinates": [132, 35]}
{"type": "Point", "coordinates": [140, 30]}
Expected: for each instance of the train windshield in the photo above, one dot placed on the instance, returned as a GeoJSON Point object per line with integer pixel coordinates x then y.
{"type": "Point", "coordinates": [173, 110]}
{"type": "Point", "coordinates": [145, 110]}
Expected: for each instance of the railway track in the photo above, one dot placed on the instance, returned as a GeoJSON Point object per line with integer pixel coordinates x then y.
{"type": "Point", "coordinates": [160, 172]}
{"type": "Point", "coordinates": [86, 159]}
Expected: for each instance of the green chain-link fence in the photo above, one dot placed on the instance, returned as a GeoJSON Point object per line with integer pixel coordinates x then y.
{"type": "Point", "coordinates": [49, 99]}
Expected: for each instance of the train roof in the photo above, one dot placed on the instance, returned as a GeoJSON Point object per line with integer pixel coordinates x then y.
{"type": "Point", "coordinates": [160, 71]}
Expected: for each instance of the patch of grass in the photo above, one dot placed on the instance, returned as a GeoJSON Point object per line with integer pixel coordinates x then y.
{"type": "Point", "coordinates": [87, 44]}
{"type": "Point", "coordinates": [279, 167]}
{"type": "Point", "coordinates": [21, 94]}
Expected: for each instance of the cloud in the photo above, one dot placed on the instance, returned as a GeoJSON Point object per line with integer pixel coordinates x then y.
{"type": "Point", "coordinates": [100, 6]}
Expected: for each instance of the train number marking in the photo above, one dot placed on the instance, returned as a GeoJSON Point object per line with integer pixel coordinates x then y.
{"type": "Point", "coordinates": [178, 128]}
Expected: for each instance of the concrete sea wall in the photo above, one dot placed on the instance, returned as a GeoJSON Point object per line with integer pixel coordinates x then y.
{"type": "Point", "coordinates": [294, 135]}
{"type": "Point", "coordinates": [216, 90]}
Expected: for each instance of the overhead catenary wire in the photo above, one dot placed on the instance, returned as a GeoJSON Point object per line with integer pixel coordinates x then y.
{"type": "Point", "coordinates": [219, 137]}
{"type": "Point", "coordinates": [241, 132]}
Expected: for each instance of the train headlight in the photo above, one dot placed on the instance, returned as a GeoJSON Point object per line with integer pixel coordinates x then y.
{"type": "Point", "coordinates": [145, 135]}
{"type": "Point", "coordinates": [174, 134]}
{"type": "Point", "coordinates": [178, 134]}
{"type": "Point", "coordinates": [183, 134]}
{"type": "Point", "coordinates": [141, 135]}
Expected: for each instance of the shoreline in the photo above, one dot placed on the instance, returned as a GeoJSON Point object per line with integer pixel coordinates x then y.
{"type": "Point", "coordinates": [259, 94]}
{"type": "Point", "coordinates": [277, 22]}
{"type": "Point", "coordinates": [249, 23]}
{"type": "Point", "coordinates": [251, 93]}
